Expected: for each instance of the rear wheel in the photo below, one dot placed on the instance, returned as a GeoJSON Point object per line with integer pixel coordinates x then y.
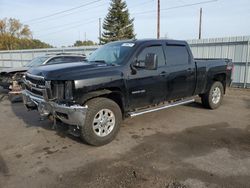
{"type": "Point", "coordinates": [102, 121]}
{"type": "Point", "coordinates": [213, 98]}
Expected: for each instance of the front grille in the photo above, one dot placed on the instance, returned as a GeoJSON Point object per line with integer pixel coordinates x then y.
{"type": "Point", "coordinates": [38, 81]}
{"type": "Point", "coordinates": [32, 90]}
{"type": "Point", "coordinates": [35, 84]}
{"type": "Point", "coordinates": [48, 90]}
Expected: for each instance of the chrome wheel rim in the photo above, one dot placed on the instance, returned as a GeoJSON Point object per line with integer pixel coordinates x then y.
{"type": "Point", "coordinates": [216, 95]}
{"type": "Point", "coordinates": [104, 122]}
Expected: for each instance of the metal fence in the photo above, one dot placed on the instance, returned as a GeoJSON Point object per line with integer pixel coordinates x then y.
{"type": "Point", "coordinates": [17, 58]}
{"type": "Point", "coordinates": [235, 48]}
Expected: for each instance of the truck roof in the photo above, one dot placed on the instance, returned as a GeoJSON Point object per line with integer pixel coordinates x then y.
{"type": "Point", "coordinates": [168, 41]}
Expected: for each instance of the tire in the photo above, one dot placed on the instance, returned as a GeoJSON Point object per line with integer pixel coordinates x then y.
{"type": "Point", "coordinates": [102, 123]}
{"type": "Point", "coordinates": [213, 98]}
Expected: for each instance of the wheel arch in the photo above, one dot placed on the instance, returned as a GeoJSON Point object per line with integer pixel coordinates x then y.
{"type": "Point", "coordinates": [114, 94]}
{"type": "Point", "coordinates": [221, 77]}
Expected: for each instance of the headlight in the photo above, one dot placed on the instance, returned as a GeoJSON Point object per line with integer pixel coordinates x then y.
{"type": "Point", "coordinates": [68, 92]}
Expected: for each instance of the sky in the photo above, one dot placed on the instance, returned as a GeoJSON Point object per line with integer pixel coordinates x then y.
{"type": "Point", "coordinates": [179, 18]}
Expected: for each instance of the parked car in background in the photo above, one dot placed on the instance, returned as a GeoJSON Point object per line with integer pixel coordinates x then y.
{"type": "Point", "coordinates": [124, 79]}
{"type": "Point", "coordinates": [12, 78]}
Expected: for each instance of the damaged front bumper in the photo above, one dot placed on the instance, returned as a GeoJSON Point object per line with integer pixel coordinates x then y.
{"type": "Point", "coordinates": [69, 114]}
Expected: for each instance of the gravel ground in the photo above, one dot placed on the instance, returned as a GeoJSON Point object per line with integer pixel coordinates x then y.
{"type": "Point", "coordinates": [184, 146]}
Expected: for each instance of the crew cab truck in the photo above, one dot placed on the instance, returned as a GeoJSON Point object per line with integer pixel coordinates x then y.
{"type": "Point", "coordinates": [124, 79]}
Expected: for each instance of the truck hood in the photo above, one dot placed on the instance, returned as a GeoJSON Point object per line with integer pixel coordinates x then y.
{"type": "Point", "coordinates": [13, 70]}
{"type": "Point", "coordinates": [71, 71]}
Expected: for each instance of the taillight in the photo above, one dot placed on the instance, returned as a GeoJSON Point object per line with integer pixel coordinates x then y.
{"type": "Point", "coordinates": [230, 67]}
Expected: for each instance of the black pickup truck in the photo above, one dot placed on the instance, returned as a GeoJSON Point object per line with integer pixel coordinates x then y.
{"type": "Point", "coordinates": [124, 79]}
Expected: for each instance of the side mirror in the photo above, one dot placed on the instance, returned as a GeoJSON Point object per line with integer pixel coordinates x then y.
{"type": "Point", "coordinates": [151, 61]}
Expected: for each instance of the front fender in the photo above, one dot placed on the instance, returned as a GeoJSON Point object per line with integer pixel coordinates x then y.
{"type": "Point", "coordinates": [93, 94]}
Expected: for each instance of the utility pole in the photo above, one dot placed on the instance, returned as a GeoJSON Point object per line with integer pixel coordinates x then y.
{"type": "Point", "coordinates": [100, 30]}
{"type": "Point", "coordinates": [200, 23]}
{"type": "Point", "coordinates": [158, 19]}
{"type": "Point", "coordinates": [85, 36]}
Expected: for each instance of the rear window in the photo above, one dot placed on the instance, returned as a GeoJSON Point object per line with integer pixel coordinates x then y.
{"type": "Point", "coordinates": [74, 59]}
{"type": "Point", "coordinates": [177, 55]}
{"type": "Point", "coordinates": [65, 59]}
{"type": "Point", "coordinates": [37, 61]}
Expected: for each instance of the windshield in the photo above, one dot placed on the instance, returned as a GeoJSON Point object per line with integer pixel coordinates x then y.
{"type": "Point", "coordinates": [112, 53]}
{"type": "Point", "coordinates": [37, 61]}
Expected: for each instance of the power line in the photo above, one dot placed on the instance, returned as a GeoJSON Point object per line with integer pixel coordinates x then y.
{"type": "Point", "coordinates": [63, 25]}
{"type": "Point", "coordinates": [175, 7]}
{"type": "Point", "coordinates": [67, 24]}
{"type": "Point", "coordinates": [45, 20]}
{"type": "Point", "coordinates": [69, 28]}
{"type": "Point", "coordinates": [145, 12]}
{"type": "Point", "coordinates": [61, 12]}
{"type": "Point", "coordinates": [142, 4]}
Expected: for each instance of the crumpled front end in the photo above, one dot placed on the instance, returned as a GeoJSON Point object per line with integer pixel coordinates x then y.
{"type": "Point", "coordinates": [38, 95]}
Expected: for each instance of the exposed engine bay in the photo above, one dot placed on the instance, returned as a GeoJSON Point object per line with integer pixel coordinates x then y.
{"type": "Point", "coordinates": [13, 82]}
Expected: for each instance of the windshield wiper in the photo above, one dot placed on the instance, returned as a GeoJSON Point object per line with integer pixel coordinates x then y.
{"type": "Point", "coordinates": [99, 61]}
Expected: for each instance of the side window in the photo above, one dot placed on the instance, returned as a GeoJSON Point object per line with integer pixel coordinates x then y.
{"type": "Point", "coordinates": [56, 60]}
{"type": "Point", "coordinates": [158, 50]}
{"type": "Point", "coordinates": [177, 55]}
{"type": "Point", "coordinates": [81, 59]}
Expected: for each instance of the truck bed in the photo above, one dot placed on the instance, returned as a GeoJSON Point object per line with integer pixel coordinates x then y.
{"type": "Point", "coordinates": [207, 65]}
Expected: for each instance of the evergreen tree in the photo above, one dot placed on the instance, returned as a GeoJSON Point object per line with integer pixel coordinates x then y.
{"type": "Point", "coordinates": [117, 24]}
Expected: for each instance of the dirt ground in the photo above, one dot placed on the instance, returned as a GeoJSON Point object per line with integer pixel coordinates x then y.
{"type": "Point", "coordinates": [180, 147]}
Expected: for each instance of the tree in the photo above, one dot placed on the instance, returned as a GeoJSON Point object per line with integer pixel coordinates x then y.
{"type": "Point", "coordinates": [11, 30]}
{"type": "Point", "coordinates": [117, 24]}
{"type": "Point", "coordinates": [14, 35]}
{"type": "Point", "coordinates": [78, 43]}
{"type": "Point", "coordinates": [84, 43]}
{"type": "Point", "coordinates": [32, 44]}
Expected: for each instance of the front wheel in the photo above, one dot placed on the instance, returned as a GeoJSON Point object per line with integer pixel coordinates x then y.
{"type": "Point", "coordinates": [213, 98]}
{"type": "Point", "coordinates": [102, 121]}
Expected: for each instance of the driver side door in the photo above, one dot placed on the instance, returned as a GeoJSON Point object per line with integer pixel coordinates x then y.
{"type": "Point", "coordinates": [147, 87]}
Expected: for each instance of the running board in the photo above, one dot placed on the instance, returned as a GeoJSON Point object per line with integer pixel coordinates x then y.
{"type": "Point", "coordinates": [137, 113]}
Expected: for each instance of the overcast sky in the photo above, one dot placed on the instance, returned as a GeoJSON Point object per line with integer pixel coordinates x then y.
{"type": "Point", "coordinates": [220, 18]}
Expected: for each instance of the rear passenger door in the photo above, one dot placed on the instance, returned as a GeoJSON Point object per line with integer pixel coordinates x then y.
{"type": "Point", "coordinates": [181, 72]}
